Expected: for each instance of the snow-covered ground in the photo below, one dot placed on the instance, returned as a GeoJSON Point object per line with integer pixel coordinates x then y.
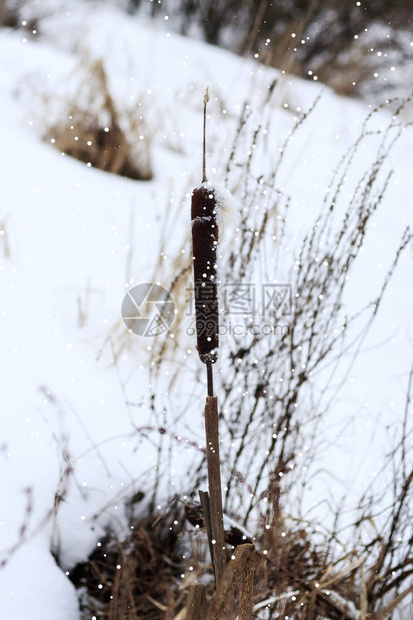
{"type": "Point", "coordinates": [74, 238]}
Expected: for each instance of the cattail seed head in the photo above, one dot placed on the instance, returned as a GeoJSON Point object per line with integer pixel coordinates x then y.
{"type": "Point", "coordinates": [204, 248]}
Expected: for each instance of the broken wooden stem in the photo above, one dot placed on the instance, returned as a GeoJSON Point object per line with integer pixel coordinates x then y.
{"type": "Point", "coordinates": [204, 497]}
{"type": "Point", "coordinates": [196, 606]}
{"type": "Point", "coordinates": [238, 576]}
{"type": "Point", "coordinates": [214, 484]}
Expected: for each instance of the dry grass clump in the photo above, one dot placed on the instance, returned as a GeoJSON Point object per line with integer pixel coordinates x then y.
{"type": "Point", "coordinates": [297, 578]}
{"type": "Point", "coordinates": [147, 574]}
{"type": "Point", "coordinates": [142, 575]}
{"type": "Point", "coordinates": [94, 131]}
{"type": "Point", "coordinates": [134, 577]}
{"type": "Point", "coordinates": [301, 574]}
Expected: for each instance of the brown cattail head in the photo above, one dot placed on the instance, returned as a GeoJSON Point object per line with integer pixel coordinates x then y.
{"type": "Point", "coordinates": [204, 250]}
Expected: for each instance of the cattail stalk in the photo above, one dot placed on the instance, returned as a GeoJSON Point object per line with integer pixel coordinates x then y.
{"type": "Point", "coordinates": [204, 214]}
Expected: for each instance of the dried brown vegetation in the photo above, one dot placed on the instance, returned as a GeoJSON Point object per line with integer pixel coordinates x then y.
{"type": "Point", "coordinates": [140, 576]}
{"type": "Point", "coordinates": [361, 571]}
{"type": "Point", "coordinates": [134, 577]}
{"type": "Point", "coordinates": [95, 132]}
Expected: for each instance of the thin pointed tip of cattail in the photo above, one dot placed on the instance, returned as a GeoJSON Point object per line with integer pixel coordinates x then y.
{"type": "Point", "coordinates": [204, 176]}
